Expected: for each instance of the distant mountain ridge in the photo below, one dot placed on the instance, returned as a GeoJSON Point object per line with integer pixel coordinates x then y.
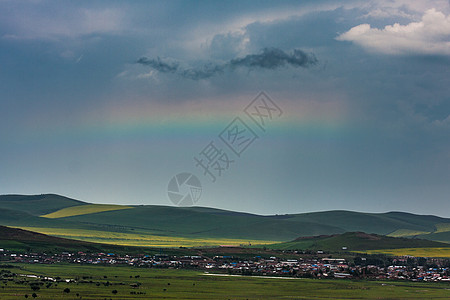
{"type": "Point", "coordinates": [203, 222]}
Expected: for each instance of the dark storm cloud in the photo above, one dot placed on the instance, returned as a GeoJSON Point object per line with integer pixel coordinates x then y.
{"type": "Point", "coordinates": [269, 58]}
{"type": "Point", "coordinates": [159, 65]}
{"type": "Point", "coordinates": [272, 58]}
{"type": "Point", "coordinates": [206, 71]}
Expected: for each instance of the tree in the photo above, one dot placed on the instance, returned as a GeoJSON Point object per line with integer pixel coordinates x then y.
{"type": "Point", "coordinates": [35, 287]}
{"type": "Point", "coordinates": [67, 290]}
{"type": "Point", "coordinates": [114, 292]}
{"type": "Point", "coordinates": [34, 295]}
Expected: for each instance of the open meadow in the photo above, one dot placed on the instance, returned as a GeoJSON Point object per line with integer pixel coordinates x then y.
{"type": "Point", "coordinates": [122, 282]}
{"type": "Point", "coordinates": [140, 238]}
{"type": "Point", "coordinates": [417, 252]}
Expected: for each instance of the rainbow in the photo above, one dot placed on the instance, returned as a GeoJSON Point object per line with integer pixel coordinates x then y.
{"type": "Point", "coordinates": [187, 120]}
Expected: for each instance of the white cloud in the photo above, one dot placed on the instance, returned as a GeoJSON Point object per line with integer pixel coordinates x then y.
{"type": "Point", "coordinates": [64, 23]}
{"type": "Point", "coordinates": [235, 30]}
{"type": "Point", "coordinates": [442, 123]}
{"type": "Point", "coordinates": [431, 35]}
{"type": "Point", "coordinates": [413, 10]}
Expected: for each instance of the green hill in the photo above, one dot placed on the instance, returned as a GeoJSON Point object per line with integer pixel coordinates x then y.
{"type": "Point", "coordinates": [439, 236]}
{"type": "Point", "coordinates": [37, 204]}
{"type": "Point", "coordinates": [21, 241]}
{"type": "Point", "coordinates": [14, 239]}
{"type": "Point", "coordinates": [354, 241]}
{"type": "Point", "coordinates": [380, 223]}
{"type": "Point", "coordinates": [201, 222]}
{"type": "Point", "coordinates": [206, 223]}
{"type": "Point", "coordinates": [197, 223]}
{"type": "Point", "coordinates": [83, 210]}
{"type": "Point", "coordinates": [16, 218]}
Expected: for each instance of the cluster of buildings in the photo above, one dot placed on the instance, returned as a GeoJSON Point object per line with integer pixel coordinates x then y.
{"type": "Point", "coordinates": [335, 268]}
{"type": "Point", "coordinates": [401, 268]}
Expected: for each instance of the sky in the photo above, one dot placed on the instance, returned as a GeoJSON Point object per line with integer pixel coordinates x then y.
{"type": "Point", "coordinates": [107, 101]}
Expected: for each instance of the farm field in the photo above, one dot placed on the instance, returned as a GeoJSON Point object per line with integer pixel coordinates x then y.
{"type": "Point", "coordinates": [417, 252]}
{"type": "Point", "coordinates": [407, 233]}
{"type": "Point", "coordinates": [442, 227]}
{"type": "Point", "coordinates": [141, 239]}
{"type": "Point", "coordinates": [84, 210]}
{"type": "Point", "coordinates": [99, 282]}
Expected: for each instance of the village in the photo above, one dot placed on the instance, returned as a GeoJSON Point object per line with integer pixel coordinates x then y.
{"type": "Point", "coordinates": [400, 268]}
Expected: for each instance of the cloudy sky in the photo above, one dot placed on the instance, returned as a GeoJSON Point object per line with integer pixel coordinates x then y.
{"type": "Point", "coordinates": [105, 101]}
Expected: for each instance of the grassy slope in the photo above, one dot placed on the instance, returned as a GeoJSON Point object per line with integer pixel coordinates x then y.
{"type": "Point", "coordinates": [84, 210]}
{"type": "Point", "coordinates": [37, 204]}
{"type": "Point", "coordinates": [442, 227]}
{"type": "Point", "coordinates": [417, 252]}
{"type": "Point", "coordinates": [407, 233]}
{"type": "Point", "coordinates": [440, 236]}
{"type": "Point", "coordinates": [380, 223]}
{"type": "Point", "coordinates": [17, 218]}
{"type": "Point", "coordinates": [139, 238]}
{"type": "Point", "coordinates": [19, 240]}
{"type": "Point", "coordinates": [201, 222]}
{"type": "Point", "coordinates": [20, 218]}
{"type": "Point", "coordinates": [198, 222]}
{"type": "Point", "coordinates": [354, 241]}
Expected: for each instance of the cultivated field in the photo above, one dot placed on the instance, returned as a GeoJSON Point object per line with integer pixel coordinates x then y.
{"type": "Point", "coordinates": [141, 239]}
{"type": "Point", "coordinates": [84, 210]}
{"type": "Point", "coordinates": [417, 252]}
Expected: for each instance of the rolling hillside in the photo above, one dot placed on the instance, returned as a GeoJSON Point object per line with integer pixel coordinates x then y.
{"type": "Point", "coordinates": [84, 209]}
{"type": "Point", "coordinates": [20, 240]}
{"type": "Point", "coordinates": [217, 223]}
{"type": "Point", "coordinates": [139, 223]}
{"type": "Point", "coordinates": [214, 223]}
{"type": "Point", "coordinates": [354, 241]}
{"type": "Point", "coordinates": [37, 204]}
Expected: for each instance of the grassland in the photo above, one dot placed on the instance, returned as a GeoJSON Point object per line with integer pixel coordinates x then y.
{"type": "Point", "coordinates": [442, 227]}
{"type": "Point", "coordinates": [100, 281]}
{"type": "Point", "coordinates": [354, 241]}
{"type": "Point", "coordinates": [417, 252]}
{"type": "Point", "coordinates": [141, 239]}
{"type": "Point", "coordinates": [37, 204]}
{"type": "Point", "coordinates": [210, 223]}
{"type": "Point", "coordinates": [407, 233]}
{"type": "Point", "coordinates": [22, 241]}
{"type": "Point", "coordinates": [84, 210]}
